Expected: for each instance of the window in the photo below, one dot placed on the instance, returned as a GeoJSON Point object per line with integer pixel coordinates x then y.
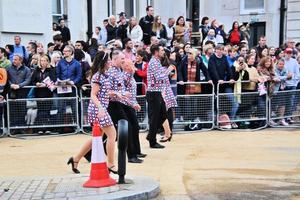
{"type": "Point", "coordinates": [58, 9]}
{"type": "Point", "coordinates": [252, 7]}
{"type": "Point", "coordinates": [111, 7]}
{"type": "Point", "coordinates": [129, 7]}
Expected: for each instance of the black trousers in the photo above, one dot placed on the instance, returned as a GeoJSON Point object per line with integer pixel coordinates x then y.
{"type": "Point", "coordinates": [134, 146]}
{"type": "Point", "coordinates": [118, 111]}
{"type": "Point", "coordinates": [157, 114]}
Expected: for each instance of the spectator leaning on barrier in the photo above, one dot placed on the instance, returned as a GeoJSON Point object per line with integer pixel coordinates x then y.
{"type": "Point", "coordinates": [4, 62]}
{"type": "Point", "coordinates": [18, 77]}
{"type": "Point", "coordinates": [292, 68]}
{"type": "Point", "coordinates": [192, 69]}
{"type": "Point", "coordinates": [68, 67]}
{"type": "Point", "coordinates": [277, 106]}
{"type": "Point", "coordinates": [220, 71]}
{"type": "Point", "coordinates": [134, 31]}
{"type": "Point", "coordinates": [146, 24]}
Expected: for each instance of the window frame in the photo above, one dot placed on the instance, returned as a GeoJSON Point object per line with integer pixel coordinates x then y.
{"type": "Point", "coordinates": [244, 11]}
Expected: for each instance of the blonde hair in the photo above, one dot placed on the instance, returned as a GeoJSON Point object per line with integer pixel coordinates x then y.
{"type": "Point", "coordinates": [155, 25]}
{"type": "Point", "coordinates": [54, 55]}
{"type": "Point", "coordinates": [46, 58]}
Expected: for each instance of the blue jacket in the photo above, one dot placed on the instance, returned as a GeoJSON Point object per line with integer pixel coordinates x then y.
{"type": "Point", "coordinates": [69, 70]}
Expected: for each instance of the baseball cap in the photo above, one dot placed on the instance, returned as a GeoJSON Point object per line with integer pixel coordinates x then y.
{"type": "Point", "coordinates": [288, 50]}
{"type": "Point", "coordinates": [122, 14]}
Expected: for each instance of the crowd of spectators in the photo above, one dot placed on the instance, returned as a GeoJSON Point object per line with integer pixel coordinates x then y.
{"type": "Point", "coordinates": [222, 58]}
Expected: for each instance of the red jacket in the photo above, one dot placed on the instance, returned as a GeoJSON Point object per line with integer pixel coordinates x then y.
{"type": "Point", "coordinates": [143, 74]}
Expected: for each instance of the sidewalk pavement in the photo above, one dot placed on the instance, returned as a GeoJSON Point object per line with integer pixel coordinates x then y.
{"type": "Point", "coordinates": [70, 188]}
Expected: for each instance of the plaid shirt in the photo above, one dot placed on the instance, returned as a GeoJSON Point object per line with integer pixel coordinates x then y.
{"type": "Point", "coordinates": [168, 96]}
{"type": "Point", "coordinates": [117, 81]}
{"type": "Point", "coordinates": [131, 87]}
{"type": "Point", "coordinates": [156, 76]}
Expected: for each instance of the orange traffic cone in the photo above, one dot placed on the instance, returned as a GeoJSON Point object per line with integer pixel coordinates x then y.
{"type": "Point", "coordinates": [99, 176]}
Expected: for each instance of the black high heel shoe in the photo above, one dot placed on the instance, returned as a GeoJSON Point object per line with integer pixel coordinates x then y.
{"type": "Point", "coordinates": [167, 139]}
{"type": "Point", "coordinates": [110, 169]}
{"type": "Point", "coordinates": [71, 161]}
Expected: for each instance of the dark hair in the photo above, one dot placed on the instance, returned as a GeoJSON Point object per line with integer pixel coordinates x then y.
{"type": "Point", "coordinates": [2, 50]}
{"type": "Point", "coordinates": [61, 20]}
{"type": "Point", "coordinates": [203, 20]}
{"type": "Point", "coordinates": [143, 54]}
{"type": "Point", "coordinates": [105, 20]}
{"type": "Point", "coordinates": [98, 27]}
{"type": "Point", "coordinates": [50, 44]}
{"type": "Point", "coordinates": [297, 44]}
{"type": "Point", "coordinates": [10, 47]}
{"type": "Point", "coordinates": [148, 7]}
{"type": "Point", "coordinates": [78, 55]}
{"type": "Point", "coordinates": [94, 43]}
{"type": "Point", "coordinates": [249, 56]}
{"type": "Point", "coordinates": [177, 21]}
{"type": "Point", "coordinates": [57, 38]}
{"type": "Point", "coordinates": [100, 60]}
{"type": "Point", "coordinates": [83, 44]}
{"type": "Point", "coordinates": [125, 41]}
{"type": "Point", "coordinates": [33, 46]}
{"type": "Point", "coordinates": [57, 26]}
{"type": "Point", "coordinates": [154, 48]}
{"type": "Point", "coordinates": [165, 61]}
{"type": "Point", "coordinates": [233, 25]}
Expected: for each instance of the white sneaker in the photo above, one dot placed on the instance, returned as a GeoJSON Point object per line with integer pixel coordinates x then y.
{"type": "Point", "coordinates": [272, 123]}
{"type": "Point", "coordinates": [283, 122]}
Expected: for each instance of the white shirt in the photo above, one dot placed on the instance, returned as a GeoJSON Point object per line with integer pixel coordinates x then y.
{"type": "Point", "coordinates": [170, 33]}
{"type": "Point", "coordinates": [136, 34]}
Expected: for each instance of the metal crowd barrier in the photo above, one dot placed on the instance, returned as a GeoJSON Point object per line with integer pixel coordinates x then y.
{"type": "Point", "coordinates": [46, 116]}
{"type": "Point", "coordinates": [85, 99]}
{"type": "Point", "coordinates": [245, 110]}
{"type": "Point", "coordinates": [3, 129]}
{"type": "Point", "coordinates": [195, 111]}
{"type": "Point", "coordinates": [142, 115]}
{"type": "Point", "coordinates": [285, 106]}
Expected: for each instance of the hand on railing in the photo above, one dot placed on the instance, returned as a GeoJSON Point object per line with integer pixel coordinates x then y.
{"type": "Point", "coordinates": [137, 107]}
{"type": "Point", "coordinates": [14, 86]}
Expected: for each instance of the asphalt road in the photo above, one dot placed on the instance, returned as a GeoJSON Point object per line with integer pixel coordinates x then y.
{"type": "Point", "coordinates": [210, 165]}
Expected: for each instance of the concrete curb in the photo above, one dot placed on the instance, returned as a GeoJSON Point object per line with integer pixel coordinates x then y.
{"type": "Point", "coordinates": [70, 188]}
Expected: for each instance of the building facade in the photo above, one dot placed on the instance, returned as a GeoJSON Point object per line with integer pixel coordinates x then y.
{"type": "Point", "coordinates": [32, 19]}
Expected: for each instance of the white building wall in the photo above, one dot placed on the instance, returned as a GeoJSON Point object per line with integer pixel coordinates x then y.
{"type": "Point", "coordinates": [293, 20]}
{"type": "Point", "coordinates": [77, 19]}
{"type": "Point", "coordinates": [227, 11]}
{"type": "Point", "coordinates": [30, 19]}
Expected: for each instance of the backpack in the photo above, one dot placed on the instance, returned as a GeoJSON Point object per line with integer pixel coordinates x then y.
{"type": "Point", "coordinates": [3, 79]}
